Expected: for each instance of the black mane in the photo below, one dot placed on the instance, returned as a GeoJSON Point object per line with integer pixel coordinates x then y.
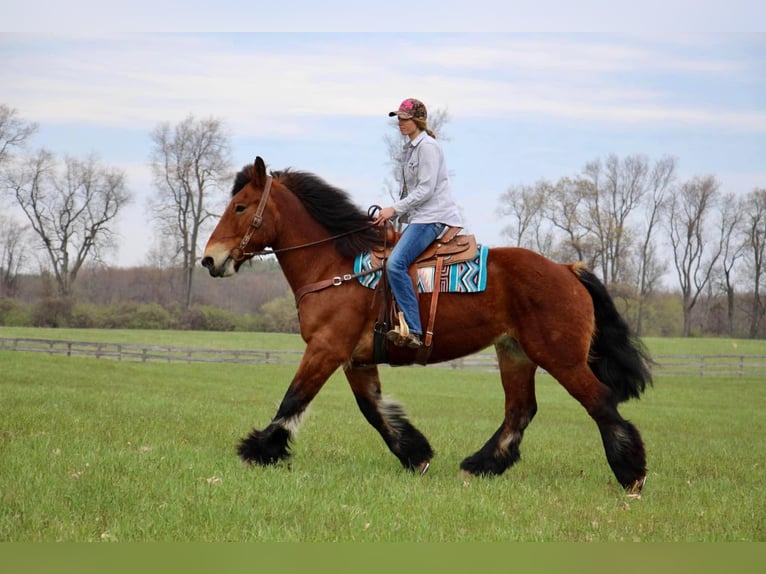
{"type": "Point", "coordinates": [329, 206]}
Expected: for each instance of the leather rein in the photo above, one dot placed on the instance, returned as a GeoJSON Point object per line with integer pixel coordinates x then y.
{"type": "Point", "coordinates": [239, 254]}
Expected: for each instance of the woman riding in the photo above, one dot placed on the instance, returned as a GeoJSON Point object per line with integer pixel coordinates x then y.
{"type": "Point", "coordinates": [425, 205]}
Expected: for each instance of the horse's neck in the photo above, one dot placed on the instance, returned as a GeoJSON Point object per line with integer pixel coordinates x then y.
{"type": "Point", "coordinates": [311, 264]}
{"type": "Point", "coordinates": [302, 252]}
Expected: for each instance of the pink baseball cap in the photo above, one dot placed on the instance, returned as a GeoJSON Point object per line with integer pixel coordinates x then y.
{"type": "Point", "coordinates": [409, 109]}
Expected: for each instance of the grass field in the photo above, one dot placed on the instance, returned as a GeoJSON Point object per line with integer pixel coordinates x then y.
{"type": "Point", "coordinates": [104, 451]}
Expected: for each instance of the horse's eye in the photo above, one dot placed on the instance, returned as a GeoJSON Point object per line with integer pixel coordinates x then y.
{"type": "Point", "coordinates": [239, 208]}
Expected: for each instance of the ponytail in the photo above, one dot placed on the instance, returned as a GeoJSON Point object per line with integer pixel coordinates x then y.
{"type": "Point", "coordinates": [423, 127]}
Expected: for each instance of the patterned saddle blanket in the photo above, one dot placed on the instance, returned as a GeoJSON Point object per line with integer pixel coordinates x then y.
{"type": "Point", "coordinates": [468, 276]}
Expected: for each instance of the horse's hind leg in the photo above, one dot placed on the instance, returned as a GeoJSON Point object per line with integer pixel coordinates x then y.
{"type": "Point", "coordinates": [622, 442]}
{"type": "Point", "coordinates": [501, 451]}
{"type": "Point", "coordinates": [388, 418]}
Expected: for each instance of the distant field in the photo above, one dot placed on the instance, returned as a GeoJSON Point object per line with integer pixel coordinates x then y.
{"type": "Point", "coordinates": [105, 451]}
{"type": "Point", "coordinates": [282, 341]}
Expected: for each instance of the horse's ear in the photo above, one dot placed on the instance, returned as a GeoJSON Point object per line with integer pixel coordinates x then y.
{"type": "Point", "coordinates": [259, 172]}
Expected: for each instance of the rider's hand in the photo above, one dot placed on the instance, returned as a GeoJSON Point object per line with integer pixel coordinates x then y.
{"type": "Point", "coordinates": [384, 215]}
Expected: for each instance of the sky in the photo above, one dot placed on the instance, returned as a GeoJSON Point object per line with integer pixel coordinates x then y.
{"type": "Point", "coordinates": [312, 91]}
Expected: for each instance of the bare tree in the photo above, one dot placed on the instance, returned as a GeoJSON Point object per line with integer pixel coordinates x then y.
{"type": "Point", "coordinates": [564, 211]}
{"type": "Point", "coordinates": [14, 132]}
{"type": "Point", "coordinates": [614, 191]}
{"type": "Point", "coordinates": [754, 227]}
{"type": "Point", "coordinates": [191, 166]}
{"type": "Point", "coordinates": [526, 206]}
{"type": "Point", "coordinates": [71, 212]}
{"type": "Point", "coordinates": [694, 254]}
{"type": "Point", "coordinates": [732, 249]}
{"type": "Point", "coordinates": [12, 245]}
{"type": "Point", "coordinates": [650, 266]}
{"type": "Point", "coordinates": [596, 215]}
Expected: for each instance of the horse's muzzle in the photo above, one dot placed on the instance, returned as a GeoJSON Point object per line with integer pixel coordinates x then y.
{"type": "Point", "coordinates": [209, 264]}
{"type": "Point", "coordinates": [224, 269]}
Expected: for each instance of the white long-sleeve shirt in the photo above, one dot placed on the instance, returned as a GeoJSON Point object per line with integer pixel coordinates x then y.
{"type": "Point", "coordinates": [429, 198]}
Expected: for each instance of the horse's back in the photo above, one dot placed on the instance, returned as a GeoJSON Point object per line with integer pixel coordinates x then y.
{"type": "Point", "coordinates": [528, 297]}
{"type": "Point", "coordinates": [544, 301]}
{"type": "Point", "coordinates": [534, 274]}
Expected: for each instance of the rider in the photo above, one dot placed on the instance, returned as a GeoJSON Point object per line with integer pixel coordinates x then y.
{"type": "Point", "coordinates": [425, 204]}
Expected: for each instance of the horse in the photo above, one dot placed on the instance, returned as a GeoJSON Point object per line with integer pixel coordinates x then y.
{"type": "Point", "coordinates": [537, 313]}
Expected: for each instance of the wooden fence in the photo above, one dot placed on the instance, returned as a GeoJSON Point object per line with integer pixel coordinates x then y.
{"type": "Point", "coordinates": [147, 353]}
{"type": "Point", "coordinates": [686, 365]}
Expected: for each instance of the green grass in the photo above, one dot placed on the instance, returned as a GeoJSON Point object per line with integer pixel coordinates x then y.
{"type": "Point", "coordinates": [97, 450]}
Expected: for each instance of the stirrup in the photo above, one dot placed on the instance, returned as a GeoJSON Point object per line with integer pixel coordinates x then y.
{"type": "Point", "coordinates": [413, 341]}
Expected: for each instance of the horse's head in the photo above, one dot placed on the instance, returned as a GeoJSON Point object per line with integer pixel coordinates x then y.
{"type": "Point", "coordinates": [246, 226]}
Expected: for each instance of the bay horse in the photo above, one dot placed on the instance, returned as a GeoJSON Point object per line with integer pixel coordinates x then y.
{"type": "Point", "coordinates": [535, 312]}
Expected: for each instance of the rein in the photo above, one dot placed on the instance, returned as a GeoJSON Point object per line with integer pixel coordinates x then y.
{"type": "Point", "coordinates": [239, 253]}
{"type": "Point", "coordinates": [245, 254]}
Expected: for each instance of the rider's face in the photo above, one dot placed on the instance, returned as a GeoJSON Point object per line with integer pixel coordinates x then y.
{"type": "Point", "coordinates": [408, 128]}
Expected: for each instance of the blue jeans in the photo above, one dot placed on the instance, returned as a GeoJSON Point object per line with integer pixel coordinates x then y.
{"type": "Point", "coordinates": [415, 238]}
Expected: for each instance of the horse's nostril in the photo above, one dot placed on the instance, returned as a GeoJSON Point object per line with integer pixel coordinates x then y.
{"type": "Point", "coordinates": [207, 262]}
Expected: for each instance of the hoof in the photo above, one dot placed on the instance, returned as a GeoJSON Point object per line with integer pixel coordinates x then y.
{"type": "Point", "coordinates": [634, 490]}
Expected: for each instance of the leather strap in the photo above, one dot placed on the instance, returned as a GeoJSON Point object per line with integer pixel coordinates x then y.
{"type": "Point", "coordinates": [336, 281]}
{"type": "Point", "coordinates": [449, 235]}
{"type": "Point", "coordinates": [238, 253]}
{"type": "Point", "coordinates": [258, 217]}
{"type": "Point", "coordinates": [434, 301]}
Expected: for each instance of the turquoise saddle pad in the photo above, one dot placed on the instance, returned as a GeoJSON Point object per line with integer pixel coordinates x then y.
{"type": "Point", "coordinates": [462, 277]}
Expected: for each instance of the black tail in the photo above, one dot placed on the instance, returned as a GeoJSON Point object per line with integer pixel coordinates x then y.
{"type": "Point", "coordinates": [617, 357]}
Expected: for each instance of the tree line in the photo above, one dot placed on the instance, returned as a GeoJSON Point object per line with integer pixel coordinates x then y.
{"type": "Point", "coordinates": [72, 204]}
{"type": "Point", "coordinates": [631, 220]}
{"type": "Point", "coordinates": [257, 299]}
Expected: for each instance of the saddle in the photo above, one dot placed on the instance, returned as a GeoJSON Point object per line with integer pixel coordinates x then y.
{"type": "Point", "coordinates": [450, 248]}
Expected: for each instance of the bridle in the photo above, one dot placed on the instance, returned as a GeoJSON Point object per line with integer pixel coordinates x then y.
{"type": "Point", "coordinates": [239, 254]}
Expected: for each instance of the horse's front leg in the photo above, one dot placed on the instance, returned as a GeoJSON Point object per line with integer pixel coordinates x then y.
{"type": "Point", "coordinates": [270, 445]}
{"type": "Point", "coordinates": [388, 418]}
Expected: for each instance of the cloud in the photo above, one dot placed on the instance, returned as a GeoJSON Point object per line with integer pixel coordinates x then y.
{"type": "Point", "coordinates": [524, 106]}
{"type": "Point", "coordinates": [275, 83]}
